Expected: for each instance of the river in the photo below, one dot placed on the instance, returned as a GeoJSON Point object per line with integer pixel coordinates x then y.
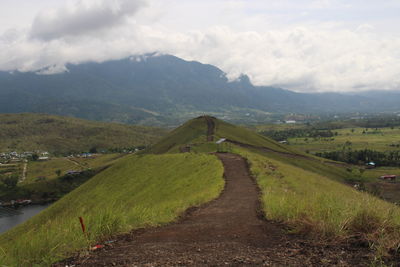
{"type": "Point", "coordinates": [12, 217]}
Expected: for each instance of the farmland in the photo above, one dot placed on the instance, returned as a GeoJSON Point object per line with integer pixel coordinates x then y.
{"type": "Point", "coordinates": [379, 139]}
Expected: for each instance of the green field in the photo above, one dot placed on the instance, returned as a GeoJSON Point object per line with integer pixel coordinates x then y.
{"type": "Point", "coordinates": [382, 139]}
{"type": "Point", "coordinates": [47, 169]}
{"type": "Point", "coordinates": [61, 135]}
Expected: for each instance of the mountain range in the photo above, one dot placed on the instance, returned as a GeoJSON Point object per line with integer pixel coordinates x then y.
{"type": "Point", "coordinates": [166, 90]}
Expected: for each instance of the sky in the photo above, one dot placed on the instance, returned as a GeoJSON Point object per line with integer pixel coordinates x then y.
{"type": "Point", "coordinates": [300, 45]}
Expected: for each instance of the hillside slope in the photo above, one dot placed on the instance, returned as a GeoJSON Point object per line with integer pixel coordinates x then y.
{"type": "Point", "coordinates": [30, 132]}
{"type": "Point", "coordinates": [133, 193]}
{"type": "Point", "coordinates": [157, 90]}
{"type": "Point", "coordinates": [308, 193]}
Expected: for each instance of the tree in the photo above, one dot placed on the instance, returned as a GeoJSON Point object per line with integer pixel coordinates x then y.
{"type": "Point", "coordinates": [10, 181]}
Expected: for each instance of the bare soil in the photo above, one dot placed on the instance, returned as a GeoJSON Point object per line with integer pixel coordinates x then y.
{"type": "Point", "coordinates": [229, 231]}
{"type": "Point", "coordinates": [210, 128]}
{"type": "Point", "coordinates": [386, 190]}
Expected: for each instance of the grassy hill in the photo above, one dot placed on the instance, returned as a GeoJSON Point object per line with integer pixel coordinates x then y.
{"type": "Point", "coordinates": [29, 132]}
{"type": "Point", "coordinates": [135, 192]}
{"type": "Point", "coordinates": [305, 193]}
{"type": "Point", "coordinates": [309, 194]}
{"type": "Point", "coordinates": [194, 134]}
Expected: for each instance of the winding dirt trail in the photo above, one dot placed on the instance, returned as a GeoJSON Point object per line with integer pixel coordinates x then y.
{"type": "Point", "coordinates": [228, 231]}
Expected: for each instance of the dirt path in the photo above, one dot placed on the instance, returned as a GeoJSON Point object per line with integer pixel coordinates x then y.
{"type": "Point", "coordinates": [75, 162]}
{"type": "Point", "coordinates": [24, 170]}
{"type": "Point", "coordinates": [228, 231]}
{"type": "Point", "coordinates": [210, 128]}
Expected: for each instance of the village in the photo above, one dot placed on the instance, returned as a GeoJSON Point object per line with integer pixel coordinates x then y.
{"type": "Point", "coordinates": [9, 157]}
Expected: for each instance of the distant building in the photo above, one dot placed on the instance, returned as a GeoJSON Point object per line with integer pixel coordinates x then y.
{"type": "Point", "coordinates": [290, 121]}
{"type": "Point", "coordinates": [371, 165]}
{"type": "Point", "coordinates": [388, 177]}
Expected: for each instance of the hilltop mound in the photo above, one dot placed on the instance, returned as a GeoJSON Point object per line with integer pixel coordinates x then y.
{"type": "Point", "coordinates": [200, 134]}
{"type": "Point", "coordinates": [29, 131]}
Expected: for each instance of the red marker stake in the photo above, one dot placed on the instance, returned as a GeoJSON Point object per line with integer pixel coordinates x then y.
{"type": "Point", "coordinates": [82, 225]}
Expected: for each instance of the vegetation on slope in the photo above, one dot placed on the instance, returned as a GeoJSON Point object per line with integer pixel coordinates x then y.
{"type": "Point", "coordinates": [245, 136]}
{"type": "Point", "coordinates": [135, 192]}
{"type": "Point", "coordinates": [29, 132]}
{"type": "Point", "coordinates": [379, 139]}
{"type": "Point", "coordinates": [47, 170]}
{"type": "Point", "coordinates": [311, 203]}
{"type": "Point", "coordinates": [194, 133]}
{"type": "Point", "coordinates": [48, 180]}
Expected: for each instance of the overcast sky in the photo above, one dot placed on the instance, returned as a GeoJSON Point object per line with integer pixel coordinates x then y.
{"type": "Point", "coordinates": [302, 45]}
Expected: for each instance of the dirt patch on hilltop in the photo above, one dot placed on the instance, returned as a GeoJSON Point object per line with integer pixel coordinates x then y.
{"type": "Point", "coordinates": [210, 128]}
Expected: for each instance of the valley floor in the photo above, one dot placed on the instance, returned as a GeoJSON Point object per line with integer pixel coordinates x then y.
{"type": "Point", "coordinates": [230, 230]}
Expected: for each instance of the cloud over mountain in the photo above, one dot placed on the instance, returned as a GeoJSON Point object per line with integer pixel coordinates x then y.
{"type": "Point", "coordinates": [309, 55]}
{"type": "Point", "coordinates": [82, 17]}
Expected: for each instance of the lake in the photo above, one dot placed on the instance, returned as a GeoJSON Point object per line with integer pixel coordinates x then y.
{"type": "Point", "coordinates": [12, 217]}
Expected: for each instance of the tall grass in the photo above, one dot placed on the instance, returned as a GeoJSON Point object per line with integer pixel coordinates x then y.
{"type": "Point", "coordinates": [135, 192]}
{"type": "Point", "coordinates": [311, 203]}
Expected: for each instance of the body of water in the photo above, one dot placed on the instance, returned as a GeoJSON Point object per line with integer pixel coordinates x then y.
{"type": "Point", "coordinates": [12, 217]}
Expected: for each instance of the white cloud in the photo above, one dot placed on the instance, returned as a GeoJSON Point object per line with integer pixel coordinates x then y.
{"type": "Point", "coordinates": [82, 17]}
{"type": "Point", "coordinates": [301, 57]}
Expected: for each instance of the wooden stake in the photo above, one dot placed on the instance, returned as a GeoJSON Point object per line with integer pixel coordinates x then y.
{"type": "Point", "coordinates": [82, 225]}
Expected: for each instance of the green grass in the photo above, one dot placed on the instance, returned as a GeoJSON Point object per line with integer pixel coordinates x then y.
{"type": "Point", "coordinates": [30, 132]}
{"type": "Point", "coordinates": [47, 169]}
{"type": "Point", "coordinates": [147, 190]}
{"type": "Point", "coordinates": [193, 131]}
{"type": "Point", "coordinates": [98, 160]}
{"type": "Point", "coordinates": [245, 136]}
{"type": "Point", "coordinates": [137, 191]}
{"type": "Point", "coordinates": [379, 140]}
{"type": "Point", "coordinates": [312, 203]}
{"type": "Point", "coordinates": [374, 174]}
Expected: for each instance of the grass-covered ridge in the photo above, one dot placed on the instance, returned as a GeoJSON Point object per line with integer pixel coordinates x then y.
{"type": "Point", "coordinates": [137, 191]}
{"type": "Point", "coordinates": [193, 131]}
{"type": "Point", "coordinates": [312, 203]}
{"type": "Point", "coordinates": [246, 136]}
{"type": "Point", "coordinates": [29, 132]}
{"type": "Point", "coordinates": [194, 134]}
